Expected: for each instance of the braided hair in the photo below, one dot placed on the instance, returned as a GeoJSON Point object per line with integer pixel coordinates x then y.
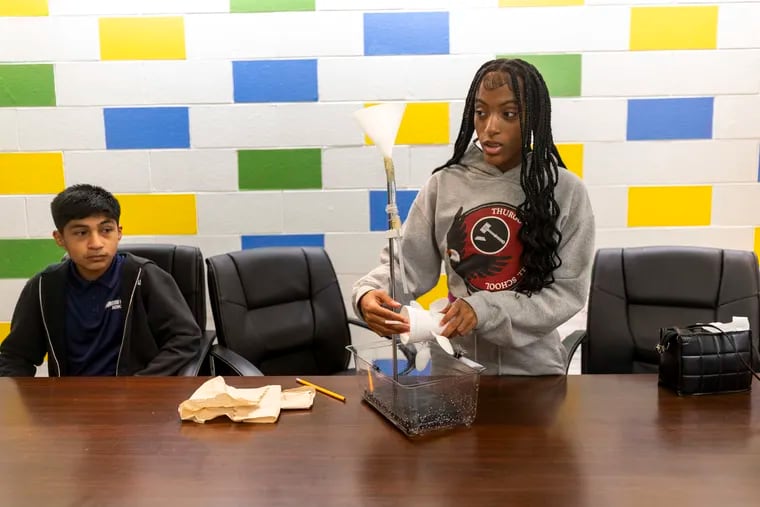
{"type": "Point", "coordinates": [539, 234]}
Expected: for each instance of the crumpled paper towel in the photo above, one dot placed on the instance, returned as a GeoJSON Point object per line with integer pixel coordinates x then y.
{"type": "Point", "coordinates": [254, 405]}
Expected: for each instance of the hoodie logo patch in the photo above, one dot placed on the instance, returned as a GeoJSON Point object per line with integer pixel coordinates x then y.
{"type": "Point", "coordinates": [483, 247]}
{"type": "Point", "coordinates": [114, 305]}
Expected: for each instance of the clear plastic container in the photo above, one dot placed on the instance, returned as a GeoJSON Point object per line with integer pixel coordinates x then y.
{"type": "Point", "coordinates": [442, 395]}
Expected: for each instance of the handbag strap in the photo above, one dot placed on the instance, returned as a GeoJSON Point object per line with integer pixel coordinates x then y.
{"type": "Point", "coordinates": [752, 349]}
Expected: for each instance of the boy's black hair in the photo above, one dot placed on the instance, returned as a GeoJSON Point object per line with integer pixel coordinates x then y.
{"type": "Point", "coordinates": [538, 213]}
{"type": "Point", "coordinates": [82, 201]}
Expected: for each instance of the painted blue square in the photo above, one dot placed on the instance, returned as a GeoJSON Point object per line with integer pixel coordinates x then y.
{"type": "Point", "coordinates": [680, 118]}
{"type": "Point", "coordinates": [135, 128]}
{"type": "Point", "coordinates": [259, 241]}
{"type": "Point", "coordinates": [275, 81]}
{"type": "Point", "coordinates": [378, 200]}
{"type": "Point", "coordinates": [406, 33]}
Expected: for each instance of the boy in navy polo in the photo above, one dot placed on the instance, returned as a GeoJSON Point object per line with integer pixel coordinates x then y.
{"type": "Point", "coordinates": [98, 312]}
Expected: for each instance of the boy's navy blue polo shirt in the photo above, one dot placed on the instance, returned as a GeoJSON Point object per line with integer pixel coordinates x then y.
{"type": "Point", "coordinates": [94, 322]}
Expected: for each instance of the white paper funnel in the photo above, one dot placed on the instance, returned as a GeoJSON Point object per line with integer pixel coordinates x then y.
{"type": "Point", "coordinates": [381, 124]}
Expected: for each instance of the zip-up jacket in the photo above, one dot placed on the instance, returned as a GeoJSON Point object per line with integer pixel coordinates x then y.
{"type": "Point", "coordinates": [159, 333]}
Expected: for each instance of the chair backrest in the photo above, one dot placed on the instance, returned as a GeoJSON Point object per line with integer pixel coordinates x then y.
{"type": "Point", "coordinates": [281, 309]}
{"type": "Point", "coordinates": [637, 291]}
{"type": "Point", "coordinates": [185, 264]}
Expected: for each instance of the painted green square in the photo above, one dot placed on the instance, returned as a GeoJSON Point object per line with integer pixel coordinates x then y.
{"type": "Point", "coordinates": [279, 169]}
{"type": "Point", "coordinates": [27, 85]}
{"type": "Point", "coordinates": [271, 5]}
{"type": "Point", "coordinates": [562, 72]}
{"type": "Point", "coordinates": [22, 258]}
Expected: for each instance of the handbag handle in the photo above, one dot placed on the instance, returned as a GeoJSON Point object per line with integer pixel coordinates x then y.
{"type": "Point", "coordinates": [752, 349]}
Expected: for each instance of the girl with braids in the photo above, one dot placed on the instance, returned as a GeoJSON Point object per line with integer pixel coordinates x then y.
{"type": "Point", "coordinates": [513, 227]}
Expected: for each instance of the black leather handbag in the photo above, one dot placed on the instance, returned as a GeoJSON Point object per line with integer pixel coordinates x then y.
{"type": "Point", "coordinates": [703, 359]}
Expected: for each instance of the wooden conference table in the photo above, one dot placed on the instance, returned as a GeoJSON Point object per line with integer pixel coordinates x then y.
{"type": "Point", "coordinates": [576, 441]}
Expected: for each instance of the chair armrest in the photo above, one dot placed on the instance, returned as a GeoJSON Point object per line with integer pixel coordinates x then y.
{"type": "Point", "coordinates": [240, 365]}
{"type": "Point", "coordinates": [193, 368]}
{"type": "Point", "coordinates": [358, 323]}
{"type": "Point", "coordinates": [572, 342]}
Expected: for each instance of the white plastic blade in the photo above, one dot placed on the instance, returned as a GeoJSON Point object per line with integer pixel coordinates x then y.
{"type": "Point", "coordinates": [381, 124]}
{"type": "Point", "coordinates": [422, 358]}
{"type": "Point", "coordinates": [444, 343]}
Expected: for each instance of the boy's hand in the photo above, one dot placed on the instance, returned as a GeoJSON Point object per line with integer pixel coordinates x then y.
{"type": "Point", "coordinates": [375, 307]}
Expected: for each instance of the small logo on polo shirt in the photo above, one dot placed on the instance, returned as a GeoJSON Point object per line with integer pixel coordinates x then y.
{"type": "Point", "coordinates": [114, 305]}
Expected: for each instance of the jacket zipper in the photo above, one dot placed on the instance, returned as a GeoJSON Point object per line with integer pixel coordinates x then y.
{"type": "Point", "coordinates": [126, 319]}
{"type": "Point", "coordinates": [47, 332]}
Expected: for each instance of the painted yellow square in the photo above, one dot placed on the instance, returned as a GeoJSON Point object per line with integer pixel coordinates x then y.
{"type": "Point", "coordinates": [161, 38]}
{"type": "Point", "coordinates": [538, 3]}
{"type": "Point", "coordinates": [148, 214]}
{"type": "Point", "coordinates": [757, 241]}
{"type": "Point", "coordinates": [31, 173]}
{"type": "Point", "coordinates": [669, 206]}
{"type": "Point", "coordinates": [23, 8]}
{"type": "Point", "coordinates": [441, 290]}
{"type": "Point", "coordinates": [572, 156]}
{"type": "Point", "coordinates": [5, 329]}
{"type": "Point", "coordinates": [423, 123]}
{"type": "Point", "coordinates": [688, 27]}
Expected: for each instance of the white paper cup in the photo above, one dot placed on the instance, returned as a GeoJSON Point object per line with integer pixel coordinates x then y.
{"type": "Point", "coordinates": [421, 323]}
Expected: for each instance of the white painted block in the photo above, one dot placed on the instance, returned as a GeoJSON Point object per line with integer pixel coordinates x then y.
{"type": "Point", "coordinates": [736, 204]}
{"type": "Point", "coordinates": [740, 238]}
{"type": "Point", "coordinates": [209, 245]}
{"type": "Point", "coordinates": [193, 170]}
{"type": "Point", "coordinates": [663, 73]}
{"type": "Point", "coordinates": [61, 128]}
{"type": "Point", "coordinates": [10, 290]}
{"type": "Point", "coordinates": [355, 252]}
{"type": "Point", "coordinates": [670, 162]}
{"type": "Point", "coordinates": [8, 130]}
{"type": "Point", "coordinates": [544, 30]}
{"type": "Point", "coordinates": [275, 35]}
{"type": "Point", "coordinates": [274, 125]}
{"type": "Point", "coordinates": [738, 25]}
{"type": "Point", "coordinates": [362, 167]}
{"type": "Point", "coordinates": [424, 159]}
{"type": "Point", "coordinates": [48, 39]}
{"type": "Point", "coordinates": [114, 170]}
{"type": "Point", "coordinates": [326, 211]}
{"type": "Point", "coordinates": [99, 83]}
{"type": "Point", "coordinates": [737, 117]}
{"type": "Point", "coordinates": [188, 82]}
{"type": "Point", "coordinates": [239, 213]}
{"type": "Point", "coordinates": [636, 3]}
{"type": "Point", "coordinates": [411, 78]}
{"type": "Point", "coordinates": [39, 221]}
{"type": "Point", "coordinates": [134, 7]}
{"type": "Point", "coordinates": [610, 206]}
{"type": "Point", "coordinates": [13, 213]}
{"type": "Point", "coordinates": [456, 111]}
{"type": "Point", "coordinates": [580, 120]}
{"type": "Point", "coordinates": [405, 5]}
{"type": "Point", "coordinates": [152, 83]}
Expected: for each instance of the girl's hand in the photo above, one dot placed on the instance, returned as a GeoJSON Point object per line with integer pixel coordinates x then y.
{"type": "Point", "coordinates": [375, 307]}
{"type": "Point", "coordinates": [458, 318]}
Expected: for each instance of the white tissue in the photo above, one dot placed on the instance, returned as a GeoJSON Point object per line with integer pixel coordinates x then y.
{"type": "Point", "coordinates": [736, 324]}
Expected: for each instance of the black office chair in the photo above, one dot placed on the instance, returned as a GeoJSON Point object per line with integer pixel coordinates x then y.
{"type": "Point", "coordinates": [637, 291]}
{"type": "Point", "coordinates": [185, 264]}
{"type": "Point", "coordinates": [278, 311]}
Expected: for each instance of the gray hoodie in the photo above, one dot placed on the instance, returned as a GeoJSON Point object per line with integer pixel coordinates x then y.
{"type": "Point", "coordinates": [466, 216]}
